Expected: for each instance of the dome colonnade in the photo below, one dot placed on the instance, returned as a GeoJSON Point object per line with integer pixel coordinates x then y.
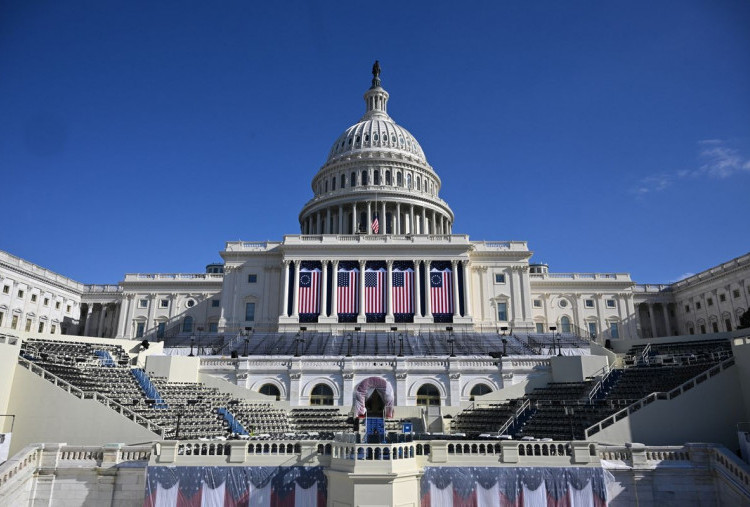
{"type": "Point", "coordinates": [376, 169]}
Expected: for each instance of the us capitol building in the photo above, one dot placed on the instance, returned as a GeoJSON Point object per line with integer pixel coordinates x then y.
{"type": "Point", "coordinates": [376, 253]}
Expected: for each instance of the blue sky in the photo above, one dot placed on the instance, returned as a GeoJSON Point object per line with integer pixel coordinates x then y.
{"type": "Point", "coordinates": [140, 136]}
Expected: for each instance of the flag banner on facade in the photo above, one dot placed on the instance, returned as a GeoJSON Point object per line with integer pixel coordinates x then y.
{"type": "Point", "coordinates": [347, 283]}
{"type": "Point", "coordinates": [441, 291]}
{"type": "Point", "coordinates": [375, 290]}
{"type": "Point", "coordinates": [403, 290]}
{"type": "Point", "coordinates": [490, 486]}
{"type": "Point", "coordinates": [375, 224]}
{"type": "Point", "coordinates": [235, 486]}
{"type": "Point", "coordinates": [309, 290]}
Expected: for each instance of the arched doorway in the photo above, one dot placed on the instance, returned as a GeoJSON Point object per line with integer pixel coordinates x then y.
{"type": "Point", "coordinates": [363, 395]}
{"type": "Point", "coordinates": [428, 396]}
{"type": "Point", "coordinates": [375, 405]}
{"type": "Point", "coordinates": [321, 395]}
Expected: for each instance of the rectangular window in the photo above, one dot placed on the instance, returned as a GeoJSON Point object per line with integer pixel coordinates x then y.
{"type": "Point", "coordinates": [539, 327]}
{"type": "Point", "coordinates": [589, 303]}
{"type": "Point", "coordinates": [611, 303]}
{"type": "Point", "coordinates": [697, 305]}
{"type": "Point", "coordinates": [33, 298]}
{"type": "Point", "coordinates": [213, 327]}
{"type": "Point", "coordinates": [53, 329]}
{"type": "Point", "coordinates": [499, 278]}
{"type": "Point", "coordinates": [614, 331]}
{"type": "Point", "coordinates": [164, 303]}
{"type": "Point", "coordinates": [703, 329]}
{"type": "Point", "coordinates": [20, 293]}
{"type": "Point", "coordinates": [68, 309]}
{"type": "Point", "coordinates": [28, 325]}
{"type": "Point", "coordinates": [249, 312]}
{"type": "Point", "coordinates": [140, 327]}
{"type": "Point", "coordinates": [40, 329]}
{"type": "Point", "coordinates": [1, 318]}
{"type": "Point", "coordinates": [6, 289]}
{"type": "Point", "coordinates": [710, 302]}
{"type": "Point", "coordinates": [14, 322]}
{"type": "Point", "coordinates": [143, 303]}
{"type": "Point", "coordinates": [715, 327]}
{"type": "Point", "coordinates": [728, 324]}
{"type": "Point", "coordinates": [687, 308]}
{"type": "Point", "coordinates": [502, 312]}
{"type": "Point", "coordinates": [57, 305]}
{"type": "Point", "coordinates": [215, 303]}
{"type": "Point", "coordinates": [46, 302]}
{"type": "Point", "coordinates": [735, 293]}
{"type": "Point", "coordinates": [691, 331]}
{"type": "Point", "coordinates": [252, 278]}
{"type": "Point", "coordinates": [160, 328]}
{"type": "Point", "coordinates": [592, 329]}
{"type": "Point", "coordinates": [722, 297]}
{"type": "Point", "coordinates": [537, 303]}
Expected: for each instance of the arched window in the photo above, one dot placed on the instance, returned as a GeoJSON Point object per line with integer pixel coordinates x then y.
{"type": "Point", "coordinates": [187, 324]}
{"type": "Point", "coordinates": [376, 177]}
{"type": "Point", "coordinates": [353, 180]}
{"type": "Point", "coordinates": [399, 179]}
{"type": "Point", "coordinates": [333, 184]}
{"type": "Point", "coordinates": [479, 390]}
{"type": "Point", "coordinates": [270, 390]}
{"type": "Point", "coordinates": [428, 395]}
{"type": "Point", "coordinates": [388, 177]}
{"type": "Point", "coordinates": [565, 325]}
{"type": "Point", "coordinates": [419, 183]}
{"type": "Point", "coordinates": [343, 181]}
{"type": "Point", "coordinates": [321, 395]}
{"type": "Point", "coordinates": [408, 181]}
{"type": "Point", "coordinates": [364, 178]}
{"type": "Point", "coordinates": [326, 186]}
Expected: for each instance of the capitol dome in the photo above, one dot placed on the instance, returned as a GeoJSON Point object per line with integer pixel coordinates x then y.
{"type": "Point", "coordinates": [376, 180]}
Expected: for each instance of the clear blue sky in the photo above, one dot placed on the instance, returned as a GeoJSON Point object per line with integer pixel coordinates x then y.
{"type": "Point", "coordinates": [140, 136]}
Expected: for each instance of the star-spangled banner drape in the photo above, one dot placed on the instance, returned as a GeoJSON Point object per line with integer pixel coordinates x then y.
{"type": "Point", "coordinates": [347, 283]}
{"type": "Point", "coordinates": [294, 486]}
{"type": "Point", "coordinates": [403, 290]}
{"type": "Point", "coordinates": [309, 290]}
{"type": "Point", "coordinates": [441, 291]}
{"type": "Point", "coordinates": [514, 486]}
{"type": "Point", "coordinates": [375, 290]}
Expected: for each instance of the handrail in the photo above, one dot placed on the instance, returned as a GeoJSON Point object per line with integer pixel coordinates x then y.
{"type": "Point", "coordinates": [595, 390]}
{"type": "Point", "coordinates": [658, 395]}
{"type": "Point", "coordinates": [526, 404]}
{"type": "Point", "coordinates": [78, 393]}
{"type": "Point", "coordinates": [644, 353]}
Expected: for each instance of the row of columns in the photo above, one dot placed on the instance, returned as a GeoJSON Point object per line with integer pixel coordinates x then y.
{"type": "Point", "coordinates": [389, 289]}
{"type": "Point", "coordinates": [406, 219]}
{"type": "Point", "coordinates": [651, 307]}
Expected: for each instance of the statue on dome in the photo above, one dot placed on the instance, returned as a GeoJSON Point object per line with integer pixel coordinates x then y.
{"type": "Point", "coordinates": [376, 74]}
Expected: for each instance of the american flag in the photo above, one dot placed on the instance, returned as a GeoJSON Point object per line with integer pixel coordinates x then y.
{"type": "Point", "coordinates": [347, 282]}
{"type": "Point", "coordinates": [374, 290]}
{"type": "Point", "coordinates": [375, 224]}
{"type": "Point", "coordinates": [403, 290]}
{"type": "Point", "coordinates": [441, 291]}
{"type": "Point", "coordinates": [309, 290]}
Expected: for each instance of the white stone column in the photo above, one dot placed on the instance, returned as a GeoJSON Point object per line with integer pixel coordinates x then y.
{"type": "Point", "coordinates": [318, 229]}
{"type": "Point", "coordinates": [361, 316]}
{"type": "Point", "coordinates": [285, 303]}
{"type": "Point", "coordinates": [424, 220]}
{"type": "Point", "coordinates": [324, 291]}
{"type": "Point", "coordinates": [600, 323]}
{"type": "Point", "coordinates": [428, 299]}
{"type": "Point", "coordinates": [100, 325]}
{"type": "Point", "coordinates": [354, 218]}
{"type": "Point", "coordinates": [123, 315]}
{"type": "Point", "coordinates": [652, 316]}
{"type": "Point", "coordinates": [369, 218]}
{"type": "Point", "coordinates": [87, 324]}
{"type": "Point", "coordinates": [151, 311]}
{"type": "Point", "coordinates": [412, 230]}
{"type": "Point", "coordinates": [295, 290]}
{"type": "Point", "coordinates": [397, 224]}
{"type": "Point", "coordinates": [335, 291]}
{"type": "Point", "coordinates": [516, 304]}
{"type": "Point", "coordinates": [667, 327]}
{"type": "Point", "coordinates": [341, 220]}
{"type": "Point", "coordinates": [467, 289]}
{"type": "Point", "coordinates": [327, 228]}
{"type": "Point", "coordinates": [383, 221]}
{"type": "Point", "coordinates": [454, 276]}
{"type": "Point", "coordinates": [434, 229]}
{"type": "Point", "coordinates": [389, 293]}
{"type": "Point", "coordinates": [129, 317]}
{"type": "Point", "coordinates": [416, 291]}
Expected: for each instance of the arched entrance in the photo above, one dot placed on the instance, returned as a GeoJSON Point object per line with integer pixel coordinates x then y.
{"type": "Point", "coordinates": [374, 393]}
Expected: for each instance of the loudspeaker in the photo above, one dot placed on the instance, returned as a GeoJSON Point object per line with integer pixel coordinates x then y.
{"type": "Point", "coordinates": [144, 344]}
{"type": "Point", "coordinates": [234, 354]}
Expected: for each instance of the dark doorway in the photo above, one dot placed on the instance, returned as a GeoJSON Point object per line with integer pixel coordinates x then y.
{"type": "Point", "coordinates": [375, 405]}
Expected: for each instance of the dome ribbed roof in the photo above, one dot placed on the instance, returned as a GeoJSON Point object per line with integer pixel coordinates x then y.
{"type": "Point", "coordinates": [376, 134]}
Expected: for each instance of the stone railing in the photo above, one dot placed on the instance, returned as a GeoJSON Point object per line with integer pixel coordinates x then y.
{"type": "Point", "coordinates": [394, 239]}
{"type": "Point", "coordinates": [91, 395]}
{"type": "Point", "coordinates": [40, 272]}
{"type": "Point", "coordinates": [174, 277]}
{"type": "Point", "coordinates": [20, 467]}
{"type": "Point", "coordinates": [732, 468]}
{"type": "Point", "coordinates": [652, 288]}
{"type": "Point", "coordinates": [647, 400]}
{"type": "Point", "coordinates": [96, 289]}
{"type": "Point", "coordinates": [488, 246]}
{"type": "Point", "coordinates": [250, 246]}
{"type": "Point", "coordinates": [610, 277]}
{"type": "Point", "coordinates": [9, 339]}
